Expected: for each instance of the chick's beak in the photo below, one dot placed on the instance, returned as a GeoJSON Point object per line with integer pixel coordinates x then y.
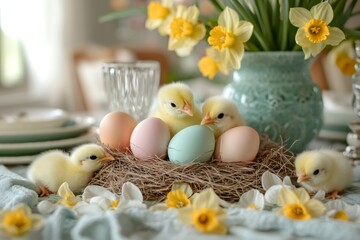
{"type": "Point", "coordinates": [187, 109]}
{"type": "Point", "coordinates": [107, 158]}
{"type": "Point", "coordinates": [207, 120]}
{"type": "Point", "coordinates": [303, 177]}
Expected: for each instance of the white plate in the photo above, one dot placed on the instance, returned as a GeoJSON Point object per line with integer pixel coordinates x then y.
{"type": "Point", "coordinates": [73, 127]}
{"type": "Point", "coordinates": [32, 148]}
{"type": "Point", "coordinates": [31, 118]}
{"type": "Point", "coordinates": [17, 160]}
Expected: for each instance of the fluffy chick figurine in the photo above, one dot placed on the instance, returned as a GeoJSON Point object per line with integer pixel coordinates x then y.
{"type": "Point", "coordinates": [220, 114]}
{"type": "Point", "coordinates": [326, 170]}
{"type": "Point", "coordinates": [54, 167]}
{"type": "Point", "coordinates": [176, 107]}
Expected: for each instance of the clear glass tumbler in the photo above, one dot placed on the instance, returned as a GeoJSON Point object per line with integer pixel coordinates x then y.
{"type": "Point", "coordinates": [131, 86]}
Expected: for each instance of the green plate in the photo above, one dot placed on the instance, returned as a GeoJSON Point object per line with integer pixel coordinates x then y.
{"type": "Point", "coordinates": [73, 127]}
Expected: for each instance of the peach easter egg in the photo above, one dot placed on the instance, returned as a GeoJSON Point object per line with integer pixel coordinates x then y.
{"type": "Point", "coordinates": [238, 144]}
{"type": "Point", "coordinates": [115, 130]}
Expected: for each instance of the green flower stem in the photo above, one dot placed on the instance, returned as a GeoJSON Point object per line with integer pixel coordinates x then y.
{"type": "Point", "coordinates": [284, 25]}
{"type": "Point", "coordinates": [245, 13]}
{"type": "Point", "coordinates": [217, 5]}
{"type": "Point", "coordinates": [123, 13]}
{"type": "Point", "coordinates": [263, 14]}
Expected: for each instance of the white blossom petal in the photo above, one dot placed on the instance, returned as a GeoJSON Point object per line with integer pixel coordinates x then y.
{"type": "Point", "coordinates": [269, 179]}
{"type": "Point", "coordinates": [94, 191]}
{"type": "Point", "coordinates": [130, 191]}
{"type": "Point", "coordinates": [46, 207]}
{"type": "Point", "coordinates": [322, 11]}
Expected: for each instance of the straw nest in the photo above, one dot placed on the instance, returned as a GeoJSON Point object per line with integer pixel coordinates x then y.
{"type": "Point", "coordinates": [229, 180]}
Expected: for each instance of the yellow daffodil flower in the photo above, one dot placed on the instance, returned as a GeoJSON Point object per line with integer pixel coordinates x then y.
{"type": "Point", "coordinates": [297, 205]}
{"type": "Point", "coordinates": [314, 32]}
{"type": "Point", "coordinates": [229, 37]}
{"type": "Point", "coordinates": [179, 196]}
{"type": "Point", "coordinates": [185, 30]}
{"type": "Point", "coordinates": [345, 63]}
{"type": "Point", "coordinates": [68, 198]}
{"type": "Point", "coordinates": [211, 64]}
{"type": "Point", "coordinates": [204, 214]}
{"type": "Point", "coordinates": [159, 15]}
{"type": "Point", "coordinates": [177, 199]}
{"type": "Point", "coordinates": [19, 221]}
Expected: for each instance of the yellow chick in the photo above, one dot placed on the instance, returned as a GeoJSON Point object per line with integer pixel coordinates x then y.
{"type": "Point", "coordinates": [176, 107]}
{"type": "Point", "coordinates": [55, 167]}
{"type": "Point", "coordinates": [326, 170]}
{"type": "Point", "coordinates": [220, 114]}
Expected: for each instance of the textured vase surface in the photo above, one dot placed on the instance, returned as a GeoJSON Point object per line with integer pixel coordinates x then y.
{"type": "Point", "coordinates": [276, 95]}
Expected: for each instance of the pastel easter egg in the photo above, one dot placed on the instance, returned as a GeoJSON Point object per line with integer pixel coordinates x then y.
{"type": "Point", "coordinates": [239, 144]}
{"type": "Point", "coordinates": [115, 130]}
{"type": "Point", "coordinates": [193, 144]}
{"type": "Point", "coordinates": [150, 139]}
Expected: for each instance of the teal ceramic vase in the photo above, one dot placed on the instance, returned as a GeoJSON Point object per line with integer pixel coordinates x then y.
{"type": "Point", "coordinates": [276, 95]}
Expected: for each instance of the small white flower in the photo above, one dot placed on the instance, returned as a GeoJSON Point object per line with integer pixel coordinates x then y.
{"type": "Point", "coordinates": [272, 184]}
{"type": "Point", "coordinates": [67, 198]}
{"type": "Point", "coordinates": [98, 198]}
{"type": "Point", "coordinates": [252, 199]}
{"type": "Point", "coordinates": [340, 210]}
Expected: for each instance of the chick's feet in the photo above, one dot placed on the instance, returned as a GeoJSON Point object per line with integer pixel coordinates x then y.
{"type": "Point", "coordinates": [333, 195]}
{"type": "Point", "coordinates": [44, 192]}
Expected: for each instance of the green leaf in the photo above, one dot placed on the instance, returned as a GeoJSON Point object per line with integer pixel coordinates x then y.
{"type": "Point", "coordinates": [284, 25]}
{"type": "Point", "coordinates": [123, 14]}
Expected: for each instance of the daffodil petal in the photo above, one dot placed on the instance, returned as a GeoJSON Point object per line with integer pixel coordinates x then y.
{"type": "Point", "coordinates": [185, 187]}
{"type": "Point", "coordinates": [286, 196]}
{"type": "Point", "coordinates": [301, 38]}
{"type": "Point", "coordinates": [206, 199]}
{"type": "Point", "coordinates": [322, 11]}
{"type": "Point", "coordinates": [307, 52]}
{"type": "Point", "coordinates": [37, 221]}
{"type": "Point", "coordinates": [64, 190]}
{"type": "Point", "coordinates": [192, 14]}
{"type": "Point", "coordinates": [184, 51]}
{"type": "Point", "coordinates": [252, 197]}
{"type": "Point", "coordinates": [184, 214]}
{"type": "Point", "coordinates": [243, 30]}
{"type": "Point", "coordinates": [317, 48]}
{"type": "Point", "coordinates": [153, 24]}
{"type": "Point", "coordinates": [131, 204]}
{"type": "Point", "coordinates": [199, 32]}
{"type": "Point", "coordinates": [102, 202]}
{"type": "Point", "coordinates": [130, 191]}
{"type": "Point", "coordinates": [287, 181]}
{"type": "Point", "coordinates": [94, 191]}
{"type": "Point", "coordinates": [228, 18]}
{"type": "Point", "coordinates": [315, 207]}
{"type": "Point", "coordinates": [167, 3]}
{"type": "Point", "coordinates": [46, 207]}
{"type": "Point", "coordinates": [269, 179]}
{"type": "Point", "coordinates": [272, 194]}
{"type": "Point", "coordinates": [302, 194]}
{"type": "Point", "coordinates": [84, 208]}
{"type": "Point", "coordinates": [299, 16]}
{"type": "Point", "coordinates": [335, 37]}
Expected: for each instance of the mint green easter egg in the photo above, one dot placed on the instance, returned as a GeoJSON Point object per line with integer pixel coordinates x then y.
{"type": "Point", "coordinates": [194, 144]}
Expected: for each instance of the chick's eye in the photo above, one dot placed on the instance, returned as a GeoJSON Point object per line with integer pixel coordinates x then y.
{"type": "Point", "coordinates": [173, 105]}
{"type": "Point", "coordinates": [93, 157]}
{"type": "Point", "coordinates": [316, 172]}
{"type": "Point", "coordinates": [220, 116]}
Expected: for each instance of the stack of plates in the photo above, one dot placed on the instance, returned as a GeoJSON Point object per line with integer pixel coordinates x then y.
{"type": "Point", "coordinates": [24, 133]}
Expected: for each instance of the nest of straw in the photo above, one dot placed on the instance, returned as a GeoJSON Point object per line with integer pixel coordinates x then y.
{"type": "Point", "coordinates": [229, 180]}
